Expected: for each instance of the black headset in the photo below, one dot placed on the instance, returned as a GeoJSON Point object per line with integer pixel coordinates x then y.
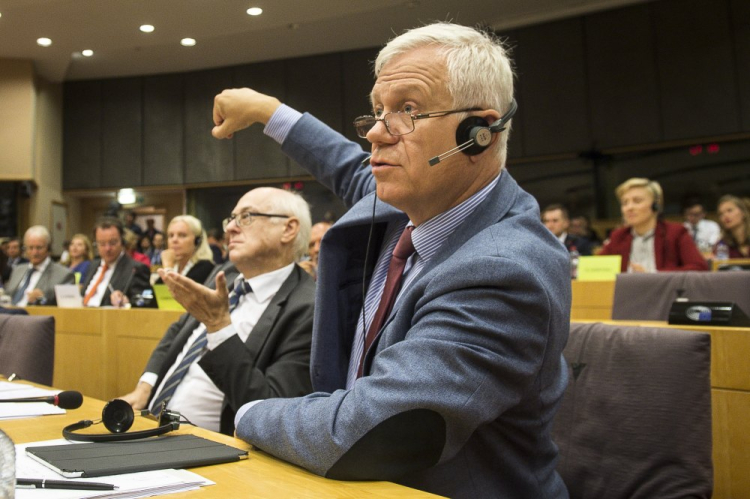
{"type": "Point", "coordinates": [118, 417]}
{"type": "Point", "coordinates": [474, 134]}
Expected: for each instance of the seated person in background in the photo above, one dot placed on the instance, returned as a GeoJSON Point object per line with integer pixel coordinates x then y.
{"type": "Point", "coordinates": [555, 218]}
{"type": "Point", "coordinates": [647, 243]}
{"type": "Point", "coordinates": [80, 254]}
{"type": "Point", "coordinates": [157, 246]}
{"type": "Point", "coordinates": [734, 215]}
{"type": "Point", "coordinates": [151, 229]}
{"type": "Point", "coordinates": [452, 386]}
{"type": "Point", "coordinates": [705, 233]}
{"type": "Point", "coordinates": [131, 246]}
{"type": "Point", "coordinates": [14, 253]}
{"type": "Point", "coordinates": [215, 238]}
{"type": "Point", "coordinates": [34, 283]}
{"type": "Point", "coordinates": [131, 225]}
{"type": "Point", "coordinates": [313, 248]}
{"type": "Point", "coordinates": [250, 344]}
{"type": "Point", "coordinates": [188, 253]}
{"type": "Point", "coordinates": [114, 278]}
{"type": "Point", "coordinates": [580, 226]}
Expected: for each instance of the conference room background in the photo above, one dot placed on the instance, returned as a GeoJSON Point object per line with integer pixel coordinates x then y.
{"type": "Point", "coordinates": [660, 89]}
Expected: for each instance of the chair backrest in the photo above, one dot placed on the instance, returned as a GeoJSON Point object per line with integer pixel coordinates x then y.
{"type": "Point", "coordinates": [635, 421]}
{"type": "Point", "coordinates": [27, 347]}
{"type": "Point", "coordinates": [649, 296]}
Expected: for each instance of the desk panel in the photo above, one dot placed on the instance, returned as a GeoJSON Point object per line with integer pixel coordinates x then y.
{"type": "Point", "coordinates": [592, 300]}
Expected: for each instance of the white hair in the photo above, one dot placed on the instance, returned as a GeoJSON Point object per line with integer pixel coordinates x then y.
{"type": "Point", "coordinates": [292, 204]}
{"type": "Point", "coordinates": [202, 249]}
{"type": "Point", "coordinates": [480, 73]}
{"type": "Point", "coordinates": [40, 231]}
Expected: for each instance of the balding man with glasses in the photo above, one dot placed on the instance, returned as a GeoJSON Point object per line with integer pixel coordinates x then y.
{"type": "Point", "coordinates": [246, 334]}
{"type": "Point", "coordinates": [443, 302]}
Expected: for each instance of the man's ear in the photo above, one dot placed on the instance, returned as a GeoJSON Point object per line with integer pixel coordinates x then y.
{"type": "Point", "coordinates": [291, 228]}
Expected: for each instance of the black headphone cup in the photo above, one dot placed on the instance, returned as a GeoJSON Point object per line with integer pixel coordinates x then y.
{"type": "Point", "coordinates": [117, 416]}
{"type": "Point", "coordinates": [475, 128]}
{"type": "Point", "coordinates": [655, 207]}
{"type": "Point", "coordinates": [198, 241]}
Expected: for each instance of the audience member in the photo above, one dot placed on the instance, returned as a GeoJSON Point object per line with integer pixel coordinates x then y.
{"type": "Point", "coordinates": [151, 229]}
{"type": "Point", "coordinates": [734, 215]}
{"type": "Point", "coordinates": [256, 339]}
{"type": "Point", "coordinates": [555, 218]}
{"type": "Point", "coordinates": [313, 248]}
{"type": "Point", "coordinates": [80, 255]}
{"type": "Point", "coordinates": [580, 226]}
{"type": "Point", "coordinates": [460, 379]}
{"type": "Point", "coordinates": [34, 284]}
{"type": "Point", "coordinates": [157, 246]}
{"type": "Point", "coordinates": [5, 269]}
{"type": "Point", "coordinates": [114, 278]}
{"type": "Point", "coordinates": [647, 243]}
{"type": "Point", "coordinates": [705, 233]}
{"type": "Point", "coordinates": [144, 246]}
{"type": "Point", "coordinates": [15, 256]}
{"type": "Point", "coordinates": [130, 224]}
{"type": "Point", "coordinates": [216, 243]}
{"type": "Point", "coordinates": [131, 246]}
{"type": "Point", "coordinates": [188, 252]}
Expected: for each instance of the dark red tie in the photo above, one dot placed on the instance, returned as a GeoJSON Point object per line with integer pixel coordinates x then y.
{"type": "Point", "coordinates": [403, 250]}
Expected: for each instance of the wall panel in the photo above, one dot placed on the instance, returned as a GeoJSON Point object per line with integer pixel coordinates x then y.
{"type": "Point", "coordinates": [82, 141]}
{"type": "Point", "coordinates": [163, 127]}
{"type": "Point", "coordinates": [122, 123]}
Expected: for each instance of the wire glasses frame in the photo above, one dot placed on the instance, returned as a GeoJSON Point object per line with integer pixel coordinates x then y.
{"type": "Point", "coordinates": [399, 122]}
{"type": "Point", "coordinates": [246, 218]}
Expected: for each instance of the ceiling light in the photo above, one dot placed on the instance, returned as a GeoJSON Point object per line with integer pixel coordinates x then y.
{"type": "Point", "coordinates": [126, 196]}
{"type": "Point", "coordinates": [44, 42]}
{"type": "Point", "coordinates": [188, 42]}
{"type": "Point", "coordinates": [147, 28]}
{"type": "Point", "coordinates": [87, 53]}
{"type": "Point", "coordinates": [255, 11]}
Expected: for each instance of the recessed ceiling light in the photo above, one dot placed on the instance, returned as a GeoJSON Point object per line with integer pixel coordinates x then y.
{"type": "Point", "coordinates": [187, 42]}
{"type": "Point", "coordinates": [44, 42]}
{"type": "Point", "coordinates": [147, 28]}
{"type": "Point", "coordinates": [87, 53]}
{"type": "Point", "coordinates": [255, 11]}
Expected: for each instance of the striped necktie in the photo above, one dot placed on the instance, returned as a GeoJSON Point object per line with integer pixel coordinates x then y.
{"type": "Point", "coordinates": [18, 295]}
{"type": "Point", "coordinates": [195, 351]}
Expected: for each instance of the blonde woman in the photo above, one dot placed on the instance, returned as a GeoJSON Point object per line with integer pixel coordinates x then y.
{"type": "Point", "coordinates": [734, 215]}
{"type": "Point", "coordinates": [187, 249]}
{"type": "Point", "coordinates": [80, 254]}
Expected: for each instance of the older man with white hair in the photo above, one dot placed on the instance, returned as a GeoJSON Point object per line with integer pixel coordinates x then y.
{"type": "Point", "coordinates": [34, 283]}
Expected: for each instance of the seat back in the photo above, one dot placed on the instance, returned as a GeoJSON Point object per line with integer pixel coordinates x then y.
{"type": "Point", "coordinates": [649, 296]}
{"type": "Point", "coordinates": [635, 421]}
{"type": "Point", "coordinates": [27, 347]}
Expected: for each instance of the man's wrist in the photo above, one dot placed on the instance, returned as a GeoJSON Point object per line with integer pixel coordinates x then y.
{"type": "Point", "coordinates": [218, 325]}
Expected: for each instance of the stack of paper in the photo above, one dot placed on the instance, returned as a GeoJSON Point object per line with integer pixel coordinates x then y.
{"type": "Point", "coordinates": [16, 390]}
{"type": "Point", "coordinates": [132, 485]}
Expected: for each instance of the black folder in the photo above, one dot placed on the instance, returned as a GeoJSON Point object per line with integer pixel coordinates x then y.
{"type": "Point", "coordinates": [115, 458]}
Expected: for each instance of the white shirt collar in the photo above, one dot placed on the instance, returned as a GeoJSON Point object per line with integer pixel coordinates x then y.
{"type": "Point", "coordinates": [266, 285]}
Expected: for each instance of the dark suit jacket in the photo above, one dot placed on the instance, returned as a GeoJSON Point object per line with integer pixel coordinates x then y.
{"type": "Point", "coordinates": [674, 249]}
{"type": "Point", "coordinates": [273, 362]}
{"type": "Point", "coordinates": [199, 272]}
{"type": "Point", "coordinates": [583, 246]}
{"type": "Point", "coordinates": [121, 278]}
{"type": "Point", "coordinates": [52, 275]}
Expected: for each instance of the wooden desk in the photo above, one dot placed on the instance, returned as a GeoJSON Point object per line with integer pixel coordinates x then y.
{"type": "Point", "coordinates": [592, 300]}
{"type": "Point", "coordinates": [717, 264]}
{"type": "Point", "coordinates": [261, 475]}
{"type": "Point", "coordinates": [730, 403]}
{"type": "Point", "coordinates": [102, 352]}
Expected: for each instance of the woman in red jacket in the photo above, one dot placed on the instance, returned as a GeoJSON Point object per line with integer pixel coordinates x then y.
{"type": "Point", "coordinates": [646, 243]}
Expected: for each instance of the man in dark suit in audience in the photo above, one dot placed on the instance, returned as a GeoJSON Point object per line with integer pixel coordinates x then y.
{"type": "Point", "coordinates": [557, 220]}
{"type": "Point", "coordinates": [14, 252]}
{"type": "Point", "coordinates": [114, 278]}
{"type": "Point", "coordinates": [34, 283]}
{"type": "Point", "coordinates": [257, 337]}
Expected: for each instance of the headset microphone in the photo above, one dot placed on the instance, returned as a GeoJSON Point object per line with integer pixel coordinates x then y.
{"type": "Point", "coordinates": [474, 135]}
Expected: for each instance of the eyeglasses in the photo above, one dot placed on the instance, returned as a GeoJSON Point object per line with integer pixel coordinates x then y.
{"type": "Point", "coordinates": [246, 218]}
{"type": "Point", "coordinates": [399, 122]}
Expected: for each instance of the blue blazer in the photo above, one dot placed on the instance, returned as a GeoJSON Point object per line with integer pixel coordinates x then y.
{"type": "Point", "coordinates": [464, 379]}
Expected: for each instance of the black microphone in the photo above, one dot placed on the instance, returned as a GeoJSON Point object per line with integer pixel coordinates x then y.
{"type": "Point", "coordinates": [64, 400]}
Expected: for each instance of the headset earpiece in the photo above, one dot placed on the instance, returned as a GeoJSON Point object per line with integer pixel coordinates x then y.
{"type": "Point", "coordinates": [118, 417]}
{"type": "Point", "coordinates": [655, 207]}
{"type": "Point", "coordinates": [198, 241]}
{"type": "Point", "coordinates": [475, 128]}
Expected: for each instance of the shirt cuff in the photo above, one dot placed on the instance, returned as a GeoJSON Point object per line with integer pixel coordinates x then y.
{"type": "Point", "coordinates": [281, 123]}
{"type": "Point", "coordinates": [220, 336]}
{"type": "Point", "coordinates": [149, 378]}
{"type": "Point", "coordinates": [241, 412]}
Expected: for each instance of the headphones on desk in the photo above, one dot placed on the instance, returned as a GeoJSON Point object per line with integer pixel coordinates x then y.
{"type": "Point", "coordinates": [118, 417]}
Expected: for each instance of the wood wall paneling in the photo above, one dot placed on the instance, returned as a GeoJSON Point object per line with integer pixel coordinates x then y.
{"type": "Point", "coordinates": [163, 126]}
{"type": "Point", "coordinates": [258, 156]}
{"type": "Point", "coordinates": [206, 159]}
{"type": "Point", "coordinates": [82, 121]}
{"type": "Point", "coordinates": [695, 61]}
{"type": "Point", "coordinates": [314, 85]}
{"type": "Point", "coordinates": [739, 13]}
{"type": "Point", "coordinates": [622, 78]}
{"type": "Point", "coordinates": [122, 131]}
{"type": "Point", "coordinates": [552, 88]}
